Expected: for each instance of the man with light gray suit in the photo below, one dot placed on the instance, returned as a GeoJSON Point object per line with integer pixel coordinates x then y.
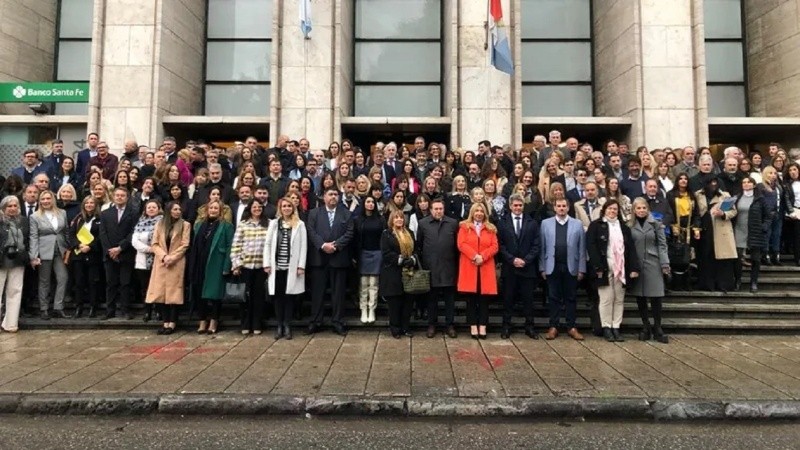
{"type": "Point", "coordinates": [562, 262]}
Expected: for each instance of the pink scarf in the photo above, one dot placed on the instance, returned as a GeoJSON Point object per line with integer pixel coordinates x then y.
{"type": "Point", "coordinates": [617, 245]}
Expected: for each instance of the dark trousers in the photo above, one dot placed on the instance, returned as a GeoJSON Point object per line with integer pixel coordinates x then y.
{"type": "Point", "coordinates": [284, 303]}
{"type": "Point", "coordinates": [655, 307]}
{"type": "Point", "coordinates": [168, 312]}
{"type": "Point", "coordinates": [561, 295]}
{"type": "Point", "coordinates": [793, 239]}
{"type": "Point", "coordinates": [204, 312]}
{"type": "Point", "coordinates": [447, 295]}
{"type": "Point", "coordinates": [593, 300]}
{"type": "Point", "coordinates": [253, 307]}
{"type": "Point", "coordinates": [143, 278]}
{"type": "Point", "coordinates": [30, 289]}
{"type": "Point", "coordinates": [86, 282]}
{"type": "Point", "coordinates": [118, 285]}
{"type": "Point", "coordinates": [399, 312]}
{"type": "Point", "coordinates": [517, 287]}
{"type": "Point", "coordinates": [323, 277]}
{"type": "Point", "coordinates": [755, 268]}
{"type": "Point", "coordinates": [477, 309]}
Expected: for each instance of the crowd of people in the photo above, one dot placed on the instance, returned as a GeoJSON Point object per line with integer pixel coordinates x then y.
{"type": "Point", "coordinates": [297, 226]}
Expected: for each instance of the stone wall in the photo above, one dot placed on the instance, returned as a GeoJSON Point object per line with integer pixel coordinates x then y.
{"type": "Point", "coordinates": [27, 44]}
{"type": "Point", "coordinates": [773, 49]}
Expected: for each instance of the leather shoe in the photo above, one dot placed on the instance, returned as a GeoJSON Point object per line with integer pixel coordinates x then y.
{"type": "Point", "coordinates": [551, 334]}
{"type": "Point", "coordinates": [608, 335]}
{"type": "Point", "coordinates": [617, 336]}
{"type": "Point", "coordinates": [109, 315]}
{"type": "Point", "coordinates": [92, 312]}
{"type": "Point", "coordinates": [531, 332]}
{"type": "Point", "coordinates": [287, 332]}
{"type": "Point", "coordinates": [44, 315]}
{"type": "Point", "coordinates": [60, 314]}
{"type": "Point", "coordinates": [575, 334]}
{"type": "Point", "coordinates": [312, 328]}
{"type": "Point", "coordinates": [339, 329]}
{"type": "Point", "coordinates": [451, 332]}
{"type": "Point", "coordinates": [431, 331]}
{"type": "Point", "coordinates": [505, 333]}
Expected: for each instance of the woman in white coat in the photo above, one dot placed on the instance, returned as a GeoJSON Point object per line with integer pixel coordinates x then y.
{"type": "Point", "coordinates": [285, 263]}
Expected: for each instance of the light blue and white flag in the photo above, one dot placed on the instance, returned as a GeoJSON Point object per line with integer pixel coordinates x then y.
{"type": "Point", "coordinates": [305, 17]}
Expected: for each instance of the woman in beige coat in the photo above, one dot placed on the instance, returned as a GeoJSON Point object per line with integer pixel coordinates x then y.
{"type": "Point", "coordinates": [170, 242]}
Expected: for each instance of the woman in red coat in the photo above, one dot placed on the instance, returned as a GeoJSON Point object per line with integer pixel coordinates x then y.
{"type": "Point", "coordinates": [477, 242]}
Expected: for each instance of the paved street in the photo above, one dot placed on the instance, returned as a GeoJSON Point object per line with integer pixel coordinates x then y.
{"type": "Point", "coordinates": [290, 433]}
{"type": "Point", "coordinates": [371, 363]}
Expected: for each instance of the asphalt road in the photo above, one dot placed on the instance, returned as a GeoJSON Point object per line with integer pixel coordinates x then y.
{"type": "Point", "coordinates": [169, 432]}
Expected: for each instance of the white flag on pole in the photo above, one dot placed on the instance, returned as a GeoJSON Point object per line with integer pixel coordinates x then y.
{"type": "Point", "coordinates": [305, 17]}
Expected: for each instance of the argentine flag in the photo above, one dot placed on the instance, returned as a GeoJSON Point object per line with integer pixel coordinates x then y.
{"type": "Point", "coordinates": [305, 17]}
{"type": "Point", "coordinates": [501, 49]}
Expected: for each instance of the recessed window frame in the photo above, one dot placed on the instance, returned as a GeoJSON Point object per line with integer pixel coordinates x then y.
{"type": "Point", "coordinates": [207, 82]}
{"type": "Point", "coordinates": [57, 52]}
{"type": "Point", "coordinates": [742, 41]}
{"type": "Point", "coordinates": [589, 40]}
{"type": "Point", "coordinates": [439, 40]}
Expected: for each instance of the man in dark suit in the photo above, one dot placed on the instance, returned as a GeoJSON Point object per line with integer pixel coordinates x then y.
{"type": "Point", "coordinates": [579, 191]}
{"type": "Point", "coordinates": [238, 207]}
{"type": "Point", "coordinates": [82, 160]}
{"type": "Point", "coordinates": [30, 280]}
{"type": "Point", "coordinates": [116, 229]}
{"type": "Point", "coordinates": [52, 162]}
{"type": "Point", "coordinates": [518, 234]}
{"type": "Point", "coordinates": [330, 232]}
{"type": "Point", "coordinates": [562, 263]}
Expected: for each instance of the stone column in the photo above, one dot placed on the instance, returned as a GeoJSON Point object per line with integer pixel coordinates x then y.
{"type": "Point", "coordinates": [27, 44]}
{"type": "Point", "coordinates": [150, 60]}
{"type": "Point", "coordinates": [647, 60]}
{"type": "Point", "coordinates": [484, 93]}
{"type": "Point", "coordinates": [773, 57]}
{"type": "Point", "coordinates": [304, 95]}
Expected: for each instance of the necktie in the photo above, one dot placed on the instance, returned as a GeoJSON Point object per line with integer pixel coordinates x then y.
{"type": "Point", "coordinates": [580, 191]}
{"type": "Point", "coordinates": [119, 214]}
{"type": "Point", "coordinates": [517, 225]}
{"type": "Point", "coordinates": [30, 210]}
{"type": "Point", "coordinates": [589, 208]}
{"type": "Point", "coordinates": [330, 218]}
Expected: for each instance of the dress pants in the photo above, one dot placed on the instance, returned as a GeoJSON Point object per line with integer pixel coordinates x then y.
{"type": "Point", "coordinates": [323, 277]}
{"type": "Point", "coordinates": [399, 312]}
{"type": "Point", "coordinates": [612, 303]}
{"type": "Point", "coordinates": [118, 285]}
{"type": "Point", "coordinates": [446, 294]}
{"type": "Point", "coordinates": [11, 285]}
{"type": "Point", "coordinates": [283, 302]}
{"type": "Point", "coordinates": [514, 287]}
{"type": "Point", "coordinates": [253, 307]}
{"type": "Point", "coordinates": [562, 287]}
{"type": "Point", "coordinates": [86, 283]}
{"type": "Point", "coordinates": [46, 269]}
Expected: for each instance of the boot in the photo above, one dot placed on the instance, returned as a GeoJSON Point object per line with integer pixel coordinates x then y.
{"type": "Point", "coordinates": [677, 281]}
{"type": "Point", "coordinates": [608, 335]}
{"type": "Point", "coordinates": [279, 331]}
{"type": "Point", "coordinates": [753, 288]}
{"type": "Point", "coordinates": [287, 331]}
{"type": "Point", "coordinates": [148, 312]}
{"type": "Point", "coordinates": [364, 315]}
{"type": "Point", "coordinates": [646, 332]}
{"type": "Point", "coordinates": [363, 300]}
{"type": "Point", "coordinates": [617, 336]}
{"type": "Point", "coordinates": [766, 260]}
{"type": "Point", "coordinates": [659, 336]}
{"type": "Point", "coordinates": [373, 303]}
{"type": "Point", "coordinates": [776, 259]}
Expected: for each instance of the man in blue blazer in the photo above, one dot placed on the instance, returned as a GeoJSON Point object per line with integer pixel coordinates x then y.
{"type": "Point", "coordinates": [518, 234]}
{"type": "Point", "coordinates": [562, 262]}
{"type": "Point", "coordinates": [330, 232]}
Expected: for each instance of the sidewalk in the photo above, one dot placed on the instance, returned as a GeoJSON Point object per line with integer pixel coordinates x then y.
{"type": "Point", "coordinates": [102, 371]}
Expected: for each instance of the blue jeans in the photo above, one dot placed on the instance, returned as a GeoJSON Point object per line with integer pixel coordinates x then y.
{"type": "Point", "coordinates": [774, 235]}
{"type": "Point", "coordinates": [561, 295]}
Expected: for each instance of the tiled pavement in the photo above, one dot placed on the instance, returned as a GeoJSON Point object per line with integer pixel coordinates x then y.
{"type": "Point", "coordinates": [371, 363]}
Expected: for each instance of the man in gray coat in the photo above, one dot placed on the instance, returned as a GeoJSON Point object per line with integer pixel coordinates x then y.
{"type": "Point", "coordinates": [436, 246]}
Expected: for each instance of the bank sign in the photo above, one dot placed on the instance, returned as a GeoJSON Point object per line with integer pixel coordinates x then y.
{"type": "Point", "coordinates": [44, 92]}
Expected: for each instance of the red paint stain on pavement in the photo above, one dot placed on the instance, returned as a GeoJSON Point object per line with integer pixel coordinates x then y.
{"type": "Point", "coordinates": [470, 356]}
{"type": "Point", "coordinates": [173, 351]}
{"type": "Point", "coordinates": [429, 360]}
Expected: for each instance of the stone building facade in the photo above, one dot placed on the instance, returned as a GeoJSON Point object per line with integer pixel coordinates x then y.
{"type": "Point", "coordinates": [650, 72]}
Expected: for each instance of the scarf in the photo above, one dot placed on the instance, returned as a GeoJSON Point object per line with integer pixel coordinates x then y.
{"type": "Point", "coordinates": [146, 226]}
{"type": "Point", "coordinates": [617, 244]}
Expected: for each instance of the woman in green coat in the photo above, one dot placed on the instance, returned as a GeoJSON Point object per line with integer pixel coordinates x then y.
{"type": "Point", "coordinates": [209, 261]}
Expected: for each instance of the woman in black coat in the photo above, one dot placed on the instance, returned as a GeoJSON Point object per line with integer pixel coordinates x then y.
{"type": "Point", "coordinates": [601, 245]}
{"type": "Point", "coordinates": [750, 231]}
{"type": "Point", "coordinates": [397, 253]}
{"type": "Point", "coordinates": [86, 260]}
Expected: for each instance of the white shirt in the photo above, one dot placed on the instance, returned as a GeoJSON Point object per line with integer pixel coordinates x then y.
{"type": "Point", "coordinates": [562, 221]}
{"type": "Point", "coordinates": [52, 218]}
{"type": "Point", "coordinates": [240, 212]}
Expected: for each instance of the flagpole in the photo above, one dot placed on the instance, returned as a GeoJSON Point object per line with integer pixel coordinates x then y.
{"type": "Point", "coordinates": [486, 25]}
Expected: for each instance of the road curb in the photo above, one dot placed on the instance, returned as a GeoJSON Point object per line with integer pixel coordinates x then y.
{"type": "Point", "coordinates": [538, 408]}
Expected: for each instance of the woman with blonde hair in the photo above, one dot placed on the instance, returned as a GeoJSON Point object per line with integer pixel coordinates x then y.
{"type": "Point", "coordinates": [397, 254]}
{"type": "Point", "coordinates": [169, 246]}
{"type": "Point", "coordinates": [458, 200]}
{"type": "Point", "coordinates": [284, 262]}
{"type": "Point", "coordinates": [477, 278]}
{"type": "Point", "coordinates": [48, 244]}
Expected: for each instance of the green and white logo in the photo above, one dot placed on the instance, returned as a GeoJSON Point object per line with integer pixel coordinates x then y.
{"type": "Point", "coordinates": [19, 92]}
{"type": "Point", "coordinates": [64, 92]}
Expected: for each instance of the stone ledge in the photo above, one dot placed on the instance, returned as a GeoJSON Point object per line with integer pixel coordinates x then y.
{"type": "Point", "coordinates": [540, 408]}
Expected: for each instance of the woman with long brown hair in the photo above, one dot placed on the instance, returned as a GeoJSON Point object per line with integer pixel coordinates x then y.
{"type": "Point", "coordinates": [397, 252]}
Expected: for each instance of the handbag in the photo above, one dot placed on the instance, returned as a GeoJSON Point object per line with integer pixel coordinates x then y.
{"type": "Point", "coordinates": [235, 291]}
{"type": "Point", "coordinates": [416, 280]}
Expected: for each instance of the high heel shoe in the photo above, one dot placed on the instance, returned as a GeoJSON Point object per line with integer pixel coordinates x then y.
{"type": "Point", "coordinates": [202, 328]}
{"type": "Point", "coordinates": [212, 326]}
{"type": "Point", "coordinates": [287, 332]}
